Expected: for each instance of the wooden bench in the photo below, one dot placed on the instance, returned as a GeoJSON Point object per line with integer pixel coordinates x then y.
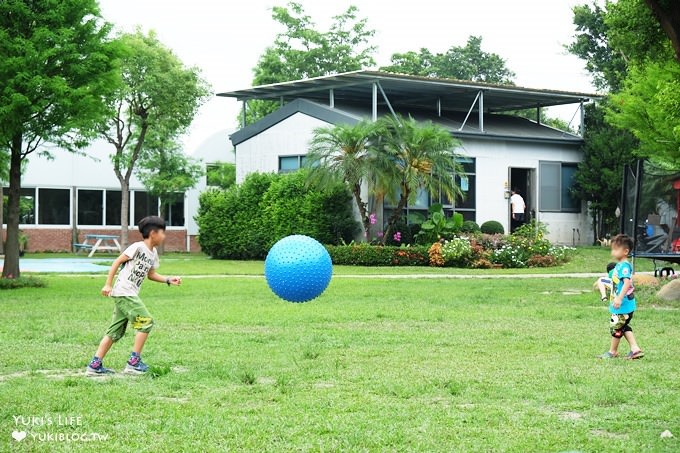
{"type": "Point", "coordinates": [79, 247]}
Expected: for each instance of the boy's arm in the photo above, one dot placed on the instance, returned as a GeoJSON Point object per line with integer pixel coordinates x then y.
{"type": "Point", "coordinates": [106, 290]}
{"type": "Point", "coordinates": [156, 277]}
{"type": "Point", "coordinates": [624, 291]}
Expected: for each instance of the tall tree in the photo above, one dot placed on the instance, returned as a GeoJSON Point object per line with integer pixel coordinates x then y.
{"type": "Point", "coordinates": [221, 174]}
{"type": "Point", "coordinates": [344, 152]}
{"type": "Point", "coordinates": [57, 64]}
{"type": "Point", "coordinates": [301, 51]}
{"type": "Point", "coordinates": [598, 179]}
{"type": "Point", "coordinates": [167, 172]}
{"type": "Point", "coordinates": [468, 62]}
{"type": "Point", "coordinates": [606, 65]}
{"type": "Point", "coordinates": [410, 156]}
{"type": "Point", "coordinates": [159, 95]}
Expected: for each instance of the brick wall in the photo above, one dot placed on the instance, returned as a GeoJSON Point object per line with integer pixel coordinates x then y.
{"type": "Point", "coordinates": [195, 247]}
{"type": "Point", "coordinates": [59, 239]}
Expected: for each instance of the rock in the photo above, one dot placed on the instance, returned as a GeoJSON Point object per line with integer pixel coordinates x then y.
{"type": "Point", "coordinates": [666, 434]}
{"type": "Point", "coordinates": [645, 280]}
{"type": "Point", "coordinates": [670, 291]}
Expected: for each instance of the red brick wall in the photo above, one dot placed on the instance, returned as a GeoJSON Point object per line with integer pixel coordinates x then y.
{"type": "Point", "coordinates": [59, 239]}
{"type": "Point", "coordinates": [195, 247]}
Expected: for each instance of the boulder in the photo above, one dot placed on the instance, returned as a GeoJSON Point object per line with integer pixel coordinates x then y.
{"type": "Point", "coordinates": [645, 280]}
{"type": "Point", "coordinates": [670, 291]}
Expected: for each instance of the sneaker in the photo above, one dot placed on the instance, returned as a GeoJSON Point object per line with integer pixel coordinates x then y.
{"type": "Point", "coordinates": [98, 371]}
{"type": "Point", "coordinates": [608, 355]}
{"type": "Point", "coordinates": [635, 355]}
{"type": "Point", "coordinates": [136, 366]}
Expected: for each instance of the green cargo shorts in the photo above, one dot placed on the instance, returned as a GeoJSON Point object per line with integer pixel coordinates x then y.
{"type": "Point", "coordinates": [128, 309]}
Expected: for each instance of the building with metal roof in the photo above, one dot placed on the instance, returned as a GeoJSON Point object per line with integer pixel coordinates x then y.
{"type": "Point", "coordinates": [500, 149]}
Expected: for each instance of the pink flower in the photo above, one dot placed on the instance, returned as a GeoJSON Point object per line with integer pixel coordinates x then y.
{"type": "Point", "coordinates": [380, 234]}
{"type": "Point", "coordinates": [373, 219]}
{"type": "Point", "coordinates": [397, 236]}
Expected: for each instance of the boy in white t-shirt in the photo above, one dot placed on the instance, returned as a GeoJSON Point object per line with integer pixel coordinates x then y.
{"type": "Point", "coordinates": [139, 261]}
{"type": "Point", "coordinates": [517, 207]}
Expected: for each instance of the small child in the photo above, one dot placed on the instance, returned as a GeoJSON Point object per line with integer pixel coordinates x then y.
{"type": "Point", "coordinates": [622, 300]}
{"type": "Point", "coordinates": [138, 261]}
{"type": "Point", "coordinates": [604, 284]}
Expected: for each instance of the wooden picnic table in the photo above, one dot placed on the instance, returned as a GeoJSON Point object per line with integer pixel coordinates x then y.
{"type": "Point", "coordinates": [99, 243]}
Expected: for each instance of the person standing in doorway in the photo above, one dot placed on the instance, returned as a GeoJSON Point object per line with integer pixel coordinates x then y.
{"type": "Point", "coordinates": [517, 208]}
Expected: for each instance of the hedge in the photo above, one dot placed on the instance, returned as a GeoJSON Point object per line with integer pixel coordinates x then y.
{"type": "Point", "coordinates": [371, 255]}
{"type": "Point", "coordinates": [244, 221]}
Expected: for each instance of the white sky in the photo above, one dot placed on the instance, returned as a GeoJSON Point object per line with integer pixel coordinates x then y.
{"type": "Point", "coordinates": [225, 39]}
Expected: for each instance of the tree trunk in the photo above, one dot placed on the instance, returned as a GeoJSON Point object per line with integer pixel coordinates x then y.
{"type": "Point", "coordinates": [11, 265]}
{"type": "Point", "coordinates": [595, 232]}
{"type": "Point", "coordinates": [396, 215]}
{"type": "Point", "coordinates": [124, 212]}
{"type": "Point", "coordinates": [2, 221]}
{"type": "Point", "coordinates": [365, 221]}
{"type": "Point", "coordinates": [669, 19]}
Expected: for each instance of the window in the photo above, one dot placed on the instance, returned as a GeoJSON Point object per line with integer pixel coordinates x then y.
{"type": "Point", "coordinates": [466, 182]}
{"type": "Point", "coordinates": [26, 206]}
{"type": "Point", "coordinates": [555, 182]}
{"type": "Point", "coordinates": [145, 205]}
{"type": "Point", "coordinates": [289, 164]}
{"type": "Point", "coordinates": [174, 213]}
{"type": "Point", "coordinates": [569, 202]}
{"type": "Point", "coordinates": [113, 202]}
{"type": "Point", "coordinates": [90, 207]}
{"type": "Point", "coordinates": [54, 206]}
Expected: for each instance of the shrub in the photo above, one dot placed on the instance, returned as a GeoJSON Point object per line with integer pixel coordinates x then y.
{"type": "Point", "coordinates": [371, 255]}
{"type": "Point", "coordinates": [510, 256]}
{"type": "Point", "coordinates": [435, 254]}
{"type": "Point", "coordinates": [492, 227]}
{"type": "Point", "coordinates": [491, 241]}
{"type": "Point", "coordinates": [532, 230]}
{"type": "Point", "coordinates": [541, 261]}
{"type": "Point", "coordinates": [244, 221]}
{"type": "Point", "coordinates": [21, 282]}
{"type": "Point", "coordinates": [469, 226]}
{"type": "Point", "coordinates": [457, 251]}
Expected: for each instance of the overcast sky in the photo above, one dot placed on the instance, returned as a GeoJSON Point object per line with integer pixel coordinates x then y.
{"type": "Point", "coordinates": [225, 38]}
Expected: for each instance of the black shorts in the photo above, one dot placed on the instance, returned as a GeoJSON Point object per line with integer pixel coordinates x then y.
{"type": "Point", "coordinates": [619, 324]}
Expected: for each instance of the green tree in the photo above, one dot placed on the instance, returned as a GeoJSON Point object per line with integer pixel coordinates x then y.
{"type": "Point", "coordinates": [57, 64]}
{"type": "Point", "coordinates": [167, 172]}
{"type": "Point", "coordinates": [598, 179]}
{"type": "Point", "coordinates": [343, 152]}
{"type": "Point", "coordinates": [649, 107]}
{"type": "Point", "coordinates": [468, 62]}
{"type": "Point", "coordinates": [633, 30]}
{"type": "Point", "coordinates": [410, 156]}
{"type": "Point", "coordinates": [667, 12]}
{"type": "Point", "coordinates": [606, 65]}
{"type": "Point", "coordinates": [159, 96]}
{"type": "Point", "coordinates": [221, 174]}
{"type": "Point", "coordinates": [301, 51]}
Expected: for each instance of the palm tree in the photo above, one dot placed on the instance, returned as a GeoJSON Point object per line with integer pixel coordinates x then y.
{"type": "Point", "coordinates": [343, 152]}
{"type": "Point", "coordinates": [410, 155]}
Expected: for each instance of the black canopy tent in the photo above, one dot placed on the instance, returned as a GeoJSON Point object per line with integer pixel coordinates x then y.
{"type": "Point", "coordinates": [650, 210]}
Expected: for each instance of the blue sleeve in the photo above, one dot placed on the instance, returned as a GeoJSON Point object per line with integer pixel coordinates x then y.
{"type": "Point", "coordinates": [626, 271]}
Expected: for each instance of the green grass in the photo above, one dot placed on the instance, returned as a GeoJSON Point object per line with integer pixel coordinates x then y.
{"type": "Point", "coordinates": [372, 365]}
{"type": "Point", "coordinates": [586, 259]}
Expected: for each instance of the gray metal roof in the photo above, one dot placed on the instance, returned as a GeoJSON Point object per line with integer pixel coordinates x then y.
{"type": "Point", "coordinates": [411, 91]}
{"type": "Point", "coordinates": [496, 126]}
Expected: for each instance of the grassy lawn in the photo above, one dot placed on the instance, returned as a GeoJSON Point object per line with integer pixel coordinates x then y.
{"type": "Point", "coordinates": [373, 365]}
{"type": "Point", "coordinates": [586, 259]}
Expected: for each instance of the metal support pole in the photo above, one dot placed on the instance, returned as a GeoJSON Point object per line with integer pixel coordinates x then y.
{"type": "Point", "coordinates": [481, 111]}
{"type": "Point", "coordinates": [583, 120]}
{"type": "Point", "coordinates": [439, 107]}
{"type": "Point", "coordinates": [331, 98]}
{"type": "Point", "coordinates": [387, 101]}
{"type": "Point", "coordinates": [243, 114]}
{"type": "Point", "coordinates": [538, 114]}
{"type": "Point", "coordinates": [469, 112]}
{"type": "Point", "coordinates": [280, 101]}
{"type": "Point", "coordinates": [374, 115]}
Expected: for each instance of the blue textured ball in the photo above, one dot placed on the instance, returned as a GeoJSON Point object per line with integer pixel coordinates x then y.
{"type": "Point", "coordinates": [298, 268]}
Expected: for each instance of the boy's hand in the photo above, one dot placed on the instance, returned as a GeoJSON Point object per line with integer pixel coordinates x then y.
{"type": "Point", "coordinates": [175, 281]}
{"type": "Point", "coordinates": [617, 303]}
{"type": "Point", "coordinates": [106, 290]}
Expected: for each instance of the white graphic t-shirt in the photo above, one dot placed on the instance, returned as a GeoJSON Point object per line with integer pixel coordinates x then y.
{"type": "Point", "coordinates": [134, 271]}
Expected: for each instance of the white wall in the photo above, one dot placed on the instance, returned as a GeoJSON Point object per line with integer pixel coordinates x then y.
{"type": "Point", "coordinates": [288, 138]}
{"type": "Point", "coordinates": [494, 158]}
